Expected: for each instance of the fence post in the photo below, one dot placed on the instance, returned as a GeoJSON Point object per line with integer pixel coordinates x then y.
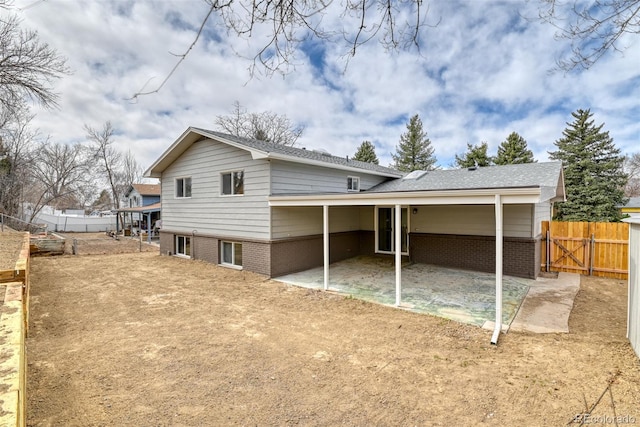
{"type": "Point", "coordinates": [2, 222]}
{"type": "Point", "coordinates": [548, 247]}
{"type": "Point", "coordinates": [592, 248]}
{"type": "Point", "coordinates": [74, 249]}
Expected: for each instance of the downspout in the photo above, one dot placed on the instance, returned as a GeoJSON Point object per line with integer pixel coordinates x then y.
{"type": "Point", "coordinates": [498, 326]}
{"type": "Point", "coordinates": [398, 253]}
{"type": "Point", "coordinates": [325, 244]}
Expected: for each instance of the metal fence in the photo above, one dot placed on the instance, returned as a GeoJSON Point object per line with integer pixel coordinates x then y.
{"type": "Point", "coordinates": [107, 245]}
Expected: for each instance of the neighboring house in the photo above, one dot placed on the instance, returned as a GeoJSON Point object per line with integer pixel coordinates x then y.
{"type": "Point", "coordinates": [275, 209]}
{"type": "Point", "coordinates": [142, 195]}
{"type": "Point", "coordinates": [632, 208]}
{"type": "Point", "coordinates": [142, 207]}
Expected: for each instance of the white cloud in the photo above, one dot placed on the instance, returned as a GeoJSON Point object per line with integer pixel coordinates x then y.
{"type": "Point", "coordinates": [482, 73]}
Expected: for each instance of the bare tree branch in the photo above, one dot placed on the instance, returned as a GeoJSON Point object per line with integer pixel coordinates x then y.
{"type": "Point", "coordinates": [290, 23]}
{"type": "Point", "coordinates": [28, 67]}
{"type": "Point", "coordinates": [265, 126]}
{"type": "Point", "coordinates": [592, 29]}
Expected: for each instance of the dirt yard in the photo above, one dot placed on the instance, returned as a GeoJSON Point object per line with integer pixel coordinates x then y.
{"type": "Point", "coordinates": [140, 339]}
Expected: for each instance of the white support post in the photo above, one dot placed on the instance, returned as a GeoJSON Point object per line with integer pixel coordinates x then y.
{"type": "Point", "coordinates": [498, 326]}
{"type": "Point", "coordinates": [325, 244]}
{"type": "Point", "coordinates": [397, 246]}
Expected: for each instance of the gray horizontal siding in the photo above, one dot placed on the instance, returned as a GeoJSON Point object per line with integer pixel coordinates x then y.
{"type": "Point", "coordinates": [307, 221]}
{"type": "Point", "coordinates": [207, 212]}
{"type": "Point", "coordinates": [474, 220]}
{"type": "Point", "coordinates": [542, 212]}
{"type": "Point", "coordinates": [296, 178]}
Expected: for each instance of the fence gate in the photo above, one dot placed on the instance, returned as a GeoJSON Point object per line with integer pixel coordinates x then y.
{"type": "Point", "coordinates": [593, 248]}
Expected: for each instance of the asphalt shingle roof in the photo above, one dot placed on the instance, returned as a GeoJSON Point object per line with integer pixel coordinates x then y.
{"type": "Point", "coordinates": [544, 175]}
{"type": "Point", "coordinates": [268, 147]}
{"type": "Point", "coordinates": [634, 202]}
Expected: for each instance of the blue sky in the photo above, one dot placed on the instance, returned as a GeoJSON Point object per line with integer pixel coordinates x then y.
{"type": "Point", "coordinates": [482, 72]}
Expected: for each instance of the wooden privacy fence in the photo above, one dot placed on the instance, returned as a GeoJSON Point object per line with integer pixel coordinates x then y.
{"type": "Point", "coordinates": [591, 248]}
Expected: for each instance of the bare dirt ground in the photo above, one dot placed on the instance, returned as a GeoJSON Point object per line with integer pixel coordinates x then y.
{"type": "Point", "coordinates": [148, 340]}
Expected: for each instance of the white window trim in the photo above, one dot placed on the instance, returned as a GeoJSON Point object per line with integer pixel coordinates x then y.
{"type": "Point", "coordinates": [353, 179]}
{"type": "Point", "coordinates": [222, 183]}
{"type": "Point", "coordinates": [175, 187]}
{"type": "Point", "coordinates": [233, 249]}
{"type": "Point", "coordinates": [176, 246]}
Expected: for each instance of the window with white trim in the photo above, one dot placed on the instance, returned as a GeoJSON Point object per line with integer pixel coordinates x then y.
{"type": "Point", "coordinates": [232, 183]}
{"type": "Point", "coordinates": [183, 246]}
{"type": "Point", "coordinates": [183, 187]}
{"type": "Point", "coordinates": [231, 254]}
{"type": "Point", "coordinates": [353, 183]}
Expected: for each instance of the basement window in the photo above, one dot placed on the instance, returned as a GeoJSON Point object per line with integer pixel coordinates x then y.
{"type": "Point", "coordinates": [231, 254]}
{"type": "Point", "coordinates": [183, 246]}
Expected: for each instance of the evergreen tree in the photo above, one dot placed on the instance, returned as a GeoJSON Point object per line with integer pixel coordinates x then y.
{"type": "Point", "coordinates": [367, 153]}
{"type": "Point", "coordinates": [513, 151]}
{"type": "Point", "coordinates": [415, 151]}
{"type": "Point", "coordinates": [475, 155]}
{"type": "Point", "coordinates": [593, 172]}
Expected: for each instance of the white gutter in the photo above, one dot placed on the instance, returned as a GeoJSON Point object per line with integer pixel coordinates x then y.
{"type": "Point", "coordinates": [498, 326]}
{"type": "Point", "coordinates": [437, 197]}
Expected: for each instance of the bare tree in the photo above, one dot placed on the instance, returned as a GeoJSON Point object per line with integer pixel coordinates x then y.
{"type": "Point", "coordinates": [632, 168]}
{"type": "Point", "coordinates": [28, 66]}
{"type": "Point", "coordinates": [129, 173]}
{"type": "Point", "coordinates": [395, 25]}
{"type": "Point", "coordinates": [16, 144]}
{"type": "Point", "coordinates": [266, 126]}
{"type": "Point", "coordinates": [108, 158]}
{"type": "Point", "coordinates": [58, 172]}
{"type": "Point", "coordinates": [593, 28]}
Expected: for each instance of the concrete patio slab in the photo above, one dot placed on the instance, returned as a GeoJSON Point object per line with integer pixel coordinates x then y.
{"type": "Point", "coordinates": [540, 306]}
{"type": "Point", "coordinates": [463, 296]}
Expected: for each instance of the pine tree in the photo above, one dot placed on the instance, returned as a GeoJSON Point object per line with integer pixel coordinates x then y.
{"type": "Point", "coordinates": [513, 151]}
{"type": "Point", "coordinates": [593, 172]}
{"type": "Point", "coordinates": [367, 153]}
{"type": "Point", "coordinates": [476, 155]}
{"type": "Point", "coordinates": [415, 151]}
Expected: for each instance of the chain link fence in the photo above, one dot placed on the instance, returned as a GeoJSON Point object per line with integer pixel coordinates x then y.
{"type": "Point", "coordinates": [97, 245]}
{"type": "Point", "coordinates": [17, 224]}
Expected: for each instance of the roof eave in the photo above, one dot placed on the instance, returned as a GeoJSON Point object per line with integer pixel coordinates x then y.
{"type": "Point", "coordinates": [451, 197]}
{"type": "Point", "coordinates": [293, 159]}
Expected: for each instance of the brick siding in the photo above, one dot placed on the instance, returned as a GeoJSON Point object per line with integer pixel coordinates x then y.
{"type": "Point", "coordinates": [256, 257]}
{"type": "Point", "coordinates": [205, 249]}
{"type": "Point", "coordinates": [166, 243]}
{"type": "Point", "coordinates": [476, 253]}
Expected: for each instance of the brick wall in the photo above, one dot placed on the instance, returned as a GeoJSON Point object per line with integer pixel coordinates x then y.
{"type": "Point", "coordinates": [166, 243]}
{"type": "Point", "coordinates": [344, 245]}
{"type": "Point", "coordinates": [290, 256]}
{"type": "Point", "coordinates": [476, 253]}
{"type": "Point", "coordinates": [205, 249]}
{"type": "Point", "coordinates": [256, 257]}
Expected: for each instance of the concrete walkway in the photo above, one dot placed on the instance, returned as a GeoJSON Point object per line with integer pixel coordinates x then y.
{"type": "Point", "coordinates": [548, 304]}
